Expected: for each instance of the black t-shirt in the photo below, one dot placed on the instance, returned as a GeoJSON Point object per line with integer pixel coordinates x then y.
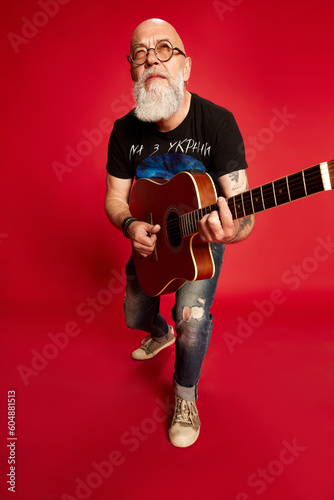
{"type": "Point", "coordinates": [208, 140]}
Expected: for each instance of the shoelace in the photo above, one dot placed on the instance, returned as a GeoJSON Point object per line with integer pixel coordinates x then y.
{"type": "Point", "coordinates": [183, 411]}
{"type": "Point", "coordinates": [146, 343]}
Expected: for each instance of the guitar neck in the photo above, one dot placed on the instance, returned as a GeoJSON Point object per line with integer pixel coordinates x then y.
{"type": "Point", "coordinates": [292, 187]}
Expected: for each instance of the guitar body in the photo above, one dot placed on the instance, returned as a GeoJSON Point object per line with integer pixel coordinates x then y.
{"type": "Point", "coordinates": [176, 259]}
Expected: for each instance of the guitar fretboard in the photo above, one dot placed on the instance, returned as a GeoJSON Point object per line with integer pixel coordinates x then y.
{"type": "Point", "coordinates": [292, 187]}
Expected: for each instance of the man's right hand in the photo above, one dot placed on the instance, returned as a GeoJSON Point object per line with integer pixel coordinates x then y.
{"type": "Point", "coordinates": [143, 237]}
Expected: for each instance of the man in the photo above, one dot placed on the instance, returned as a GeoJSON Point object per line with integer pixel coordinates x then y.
{"type": "Point", "coordinates": [171, 130]}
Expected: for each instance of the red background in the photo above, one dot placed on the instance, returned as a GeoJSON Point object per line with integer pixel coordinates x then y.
{"type": "Point", "coordinates": [68, 76]}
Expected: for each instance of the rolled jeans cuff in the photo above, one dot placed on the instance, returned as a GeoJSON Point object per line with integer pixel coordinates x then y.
{"type": "Point", "coordinates": [186, 393]}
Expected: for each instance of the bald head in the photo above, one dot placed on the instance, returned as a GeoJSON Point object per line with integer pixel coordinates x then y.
{"type": "Point", "coordinates": [156, 29]}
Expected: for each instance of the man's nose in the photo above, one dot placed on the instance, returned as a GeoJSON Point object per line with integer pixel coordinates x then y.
{"type": "Point", "coordinates": [151, 57]}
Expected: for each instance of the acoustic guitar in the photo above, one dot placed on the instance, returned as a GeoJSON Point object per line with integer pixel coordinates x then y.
{"type": "Point", "coordinates": [179, 204]}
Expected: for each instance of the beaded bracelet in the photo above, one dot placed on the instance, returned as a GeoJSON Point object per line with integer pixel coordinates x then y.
{"type": "Point", "coordinates": [126, 223]}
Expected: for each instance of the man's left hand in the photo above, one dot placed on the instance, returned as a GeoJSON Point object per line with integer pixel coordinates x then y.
{"type": "Point", "coordinates": [217, 228]}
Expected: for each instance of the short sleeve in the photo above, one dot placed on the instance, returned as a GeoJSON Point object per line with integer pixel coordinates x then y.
{"type": "Point", "coordinates": [118, 164]}
{"type": "Point", "coordinates": [229, 150]}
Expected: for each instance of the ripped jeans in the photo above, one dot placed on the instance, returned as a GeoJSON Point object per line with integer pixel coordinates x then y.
{"type": "Point", "coordinates": [192, 317]}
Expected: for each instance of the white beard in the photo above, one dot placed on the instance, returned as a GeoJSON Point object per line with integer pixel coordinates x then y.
{"type": "Point", "coordinates": [158, 102]}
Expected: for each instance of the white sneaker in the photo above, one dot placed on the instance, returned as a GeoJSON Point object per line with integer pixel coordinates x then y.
{"type": "Point", "coordinates": [151, 347]}
{"type": "Point", "coordinates": [186, 424]}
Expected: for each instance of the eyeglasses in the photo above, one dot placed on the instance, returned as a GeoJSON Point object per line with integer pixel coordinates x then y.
{"type": "Point", "coordinates": [163, 50]}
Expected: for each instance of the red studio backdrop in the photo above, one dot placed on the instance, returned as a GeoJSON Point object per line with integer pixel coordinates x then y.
{"type": "Point", "coordinates": [86, 420]}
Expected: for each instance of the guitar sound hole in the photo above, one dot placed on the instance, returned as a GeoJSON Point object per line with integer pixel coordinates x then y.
{"type": "Point", "coordinates": [173, 229]}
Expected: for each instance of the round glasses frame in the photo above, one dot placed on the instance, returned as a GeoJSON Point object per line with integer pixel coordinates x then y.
{"type": "Point", "coordinates": [129, 58]}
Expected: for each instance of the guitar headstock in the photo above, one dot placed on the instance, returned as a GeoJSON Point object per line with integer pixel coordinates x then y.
{"type": "Point", "coordinates": [331, 171]}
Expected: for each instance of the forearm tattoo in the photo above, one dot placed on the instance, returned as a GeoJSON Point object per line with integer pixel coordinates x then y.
{"type": "Point", "coordinates": [239, 183]}
{"type": "Point", "coordinates": [246, 221]}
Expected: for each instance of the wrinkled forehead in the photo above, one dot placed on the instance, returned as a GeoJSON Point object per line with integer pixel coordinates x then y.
{"type": "Point", "coordinates": [149, 33]}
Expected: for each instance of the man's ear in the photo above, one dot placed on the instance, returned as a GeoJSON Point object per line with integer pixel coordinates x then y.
{"type": "Point", "coordinates": [187, 70]}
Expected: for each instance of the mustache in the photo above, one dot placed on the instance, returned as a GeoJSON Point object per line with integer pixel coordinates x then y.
{"type": "Point", "coordinates": [153, 71]}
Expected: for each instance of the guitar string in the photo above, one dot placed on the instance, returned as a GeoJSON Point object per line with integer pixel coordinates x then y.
{"type": "Point", "coordinates": [174, 226]}
{"type": "Point", "coordinates": [311, 182]}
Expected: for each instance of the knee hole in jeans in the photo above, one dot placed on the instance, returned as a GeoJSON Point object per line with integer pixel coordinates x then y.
{"type": "Point", "coordinates": [194, 312]}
